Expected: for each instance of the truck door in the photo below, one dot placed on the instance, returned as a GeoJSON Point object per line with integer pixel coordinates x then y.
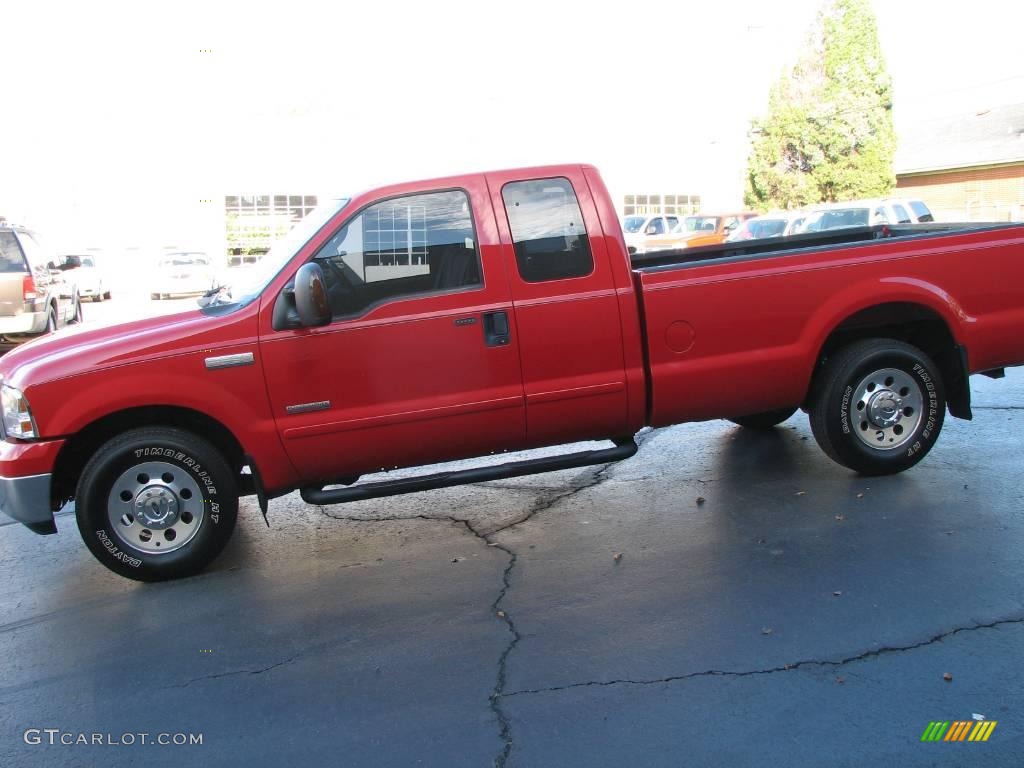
{"type": "Point", "coordinates": [421, 362]}
{"type": "Point", "coordinates": [566, 311]}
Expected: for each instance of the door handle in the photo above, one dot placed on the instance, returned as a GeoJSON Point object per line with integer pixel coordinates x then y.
{"type": "Point", "coordinates": [496, 330]}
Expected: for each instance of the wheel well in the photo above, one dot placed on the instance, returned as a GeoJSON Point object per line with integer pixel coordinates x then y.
{"type": "Point", "coordinates": [914, 324]}
{"type": "Point", "coordinates": [79, 448]}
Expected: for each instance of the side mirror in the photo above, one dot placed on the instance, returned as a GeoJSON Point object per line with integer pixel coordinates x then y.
{"type": "Point", "coordinates": [311, 296]}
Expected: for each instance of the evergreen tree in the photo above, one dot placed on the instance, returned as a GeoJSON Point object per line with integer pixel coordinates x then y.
{"type": "Point", "coordinates": [828, 134]}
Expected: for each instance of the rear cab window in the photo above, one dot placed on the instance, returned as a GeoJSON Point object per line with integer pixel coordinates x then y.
{"type": "Point", "coordinates": [11, 258]}
{"type": "Point", "coordinates": [547, 229]}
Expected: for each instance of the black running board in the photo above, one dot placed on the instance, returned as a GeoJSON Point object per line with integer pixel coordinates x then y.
{"type": "Point", "coordinates": [315, 495]}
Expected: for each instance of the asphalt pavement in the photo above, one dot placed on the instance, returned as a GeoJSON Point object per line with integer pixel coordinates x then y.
{"type": "Point", "coordinates": [723, 598]}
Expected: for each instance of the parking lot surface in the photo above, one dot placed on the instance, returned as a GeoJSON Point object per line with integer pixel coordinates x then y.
{"type": "Point", "coordinates": [722, 598]}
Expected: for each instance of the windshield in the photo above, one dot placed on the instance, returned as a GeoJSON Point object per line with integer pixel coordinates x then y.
{"type": "Point", "coordinates": [701, 223]}
{"type": "Point", "coordinates": [247, 282]}
{"type": "Point", "coordinates": [632, 224]}
{"type": "Point", "coordinates": [838, 218]}
{"type": "Point", "coordinates": [766, 227]}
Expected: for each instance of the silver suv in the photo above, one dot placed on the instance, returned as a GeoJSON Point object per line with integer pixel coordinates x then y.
{"type": "Point", "coordinates": [34, 298]}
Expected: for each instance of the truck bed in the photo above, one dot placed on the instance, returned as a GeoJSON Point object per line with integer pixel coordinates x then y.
{"type": "Point", "coordinates": [739, 328]}
{"type": "Point", "coordinates": [817, 241]}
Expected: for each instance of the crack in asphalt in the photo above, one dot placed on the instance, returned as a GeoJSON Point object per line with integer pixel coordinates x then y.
{"type": "Point", "coordinates": [885, 650]}
{"type": "Point", "coordinates": [233, 672]}
{"type": "Point", "coordinates": [548, 498]}
{"type": "Point", "coordinates": [997, 407]}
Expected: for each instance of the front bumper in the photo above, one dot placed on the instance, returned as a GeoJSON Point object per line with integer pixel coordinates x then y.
{"type": "Point", "coordinates": [25, 479]}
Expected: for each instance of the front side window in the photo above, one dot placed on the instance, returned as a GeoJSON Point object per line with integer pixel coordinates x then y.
{"type": "Point", "coordinates": [656, 227]}
{"type": "Point", "coordinates": [401, 247]}
{"type": "Point", "coordinates": [547, 230]}
{"type": "Point", "coordinates": [902, 217]}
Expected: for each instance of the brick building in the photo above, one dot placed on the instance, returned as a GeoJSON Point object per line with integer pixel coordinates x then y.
{"type": "Point", "coordinates": [966, 167]}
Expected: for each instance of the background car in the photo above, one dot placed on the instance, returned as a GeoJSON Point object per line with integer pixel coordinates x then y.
{"type": "Point", "coordinates": [83, 272]}
{"type": "Point", "coordinates": [642, 233]}
{"type": "Point", "coordinates": [182, 273]}
{"type": "Point", "coordinates": [766, 226]}
{"type": "Point", "coordinates": [865, 213]}
{"type": "Point", "coordinates": [700, 229]}
{"type": "Point", "coordinates": [34, 297]}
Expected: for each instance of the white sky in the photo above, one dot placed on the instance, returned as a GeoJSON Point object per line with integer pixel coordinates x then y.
{"type": "Point", "coordinates": [118, 124]}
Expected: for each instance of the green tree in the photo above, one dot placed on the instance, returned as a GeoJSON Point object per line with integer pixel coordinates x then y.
{"type": "Point", "coordinates": [828, 134]}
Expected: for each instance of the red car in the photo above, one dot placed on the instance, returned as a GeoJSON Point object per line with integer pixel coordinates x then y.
{"type": "Point", "coordinates": [459, 317]}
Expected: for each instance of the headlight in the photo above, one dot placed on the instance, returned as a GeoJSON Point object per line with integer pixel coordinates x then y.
{"type": "Point", "coordinates": [18, 421]}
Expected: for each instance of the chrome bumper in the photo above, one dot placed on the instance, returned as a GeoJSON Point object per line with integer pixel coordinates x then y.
{"type": "Point", "coordinates": [27, 500]}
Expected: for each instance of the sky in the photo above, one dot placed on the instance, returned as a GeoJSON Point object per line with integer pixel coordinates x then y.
{"type": "Point", "coordinates": [126, 119]}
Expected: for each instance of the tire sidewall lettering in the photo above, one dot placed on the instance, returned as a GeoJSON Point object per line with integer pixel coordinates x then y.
{"type": "Point", "coordinates": [188, 462]}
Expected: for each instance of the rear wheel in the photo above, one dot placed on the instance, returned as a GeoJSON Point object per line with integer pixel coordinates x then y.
{"type": "Point", "coordinates": [51, 321]}
{"type": "Point", "coordinates": [765, 420]}
{"type": "Point", "coordinates": [878, 406]}
{"type": "Point", "coordinates": [156, 503]}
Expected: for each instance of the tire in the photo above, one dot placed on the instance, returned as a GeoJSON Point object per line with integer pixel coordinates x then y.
{"type": "Point", "coordinates": [51, 321]}
{"type": "Point", "coordinates": [765, 420]}
{"type": "Point", "coordinates": [99, 293]}
{"type": "Point", "coordinates": [878, 406]}
{"type": "Point", "coordinates": [106, 294]}
{"type": "Point", "coordinates": [156, 503]}
{"type": "Point", "coordinates": [77, 316]}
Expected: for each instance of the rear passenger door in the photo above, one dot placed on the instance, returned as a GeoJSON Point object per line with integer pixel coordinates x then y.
{"type": "Point", "coordinates": [566, 312]}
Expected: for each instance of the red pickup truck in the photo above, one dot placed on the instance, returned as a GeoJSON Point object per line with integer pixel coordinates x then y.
{"type": "Point", "coordinates": [467, 316]}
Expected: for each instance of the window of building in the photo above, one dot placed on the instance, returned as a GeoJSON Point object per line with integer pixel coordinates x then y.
{"type": "Point", "coordinates": [407, 246]}
{"type": "Point", "coordinates": [646, 205]}
{"type": "Point", "coordinates": [547, 230]}
{"type": "Point", "coordinates": [255, 222]}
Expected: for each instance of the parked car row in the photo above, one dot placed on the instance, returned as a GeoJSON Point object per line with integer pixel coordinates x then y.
{"type": "Point", "coordinates": [661, 232]}
{"type": "Point", "coordinates": [645, 234]}
{"type": "Point", "coordinates": [820, 218]}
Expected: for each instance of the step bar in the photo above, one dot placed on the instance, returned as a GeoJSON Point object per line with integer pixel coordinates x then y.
{"type": "Point", "coordinates": [622, 450]}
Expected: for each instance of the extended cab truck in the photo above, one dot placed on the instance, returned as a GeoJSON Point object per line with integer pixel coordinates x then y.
{"type": "Point", "coordinates": [446, 319]}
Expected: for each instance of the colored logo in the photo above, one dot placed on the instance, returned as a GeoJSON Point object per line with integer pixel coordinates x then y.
{"type": "Point", "coordinates": [959, 730]}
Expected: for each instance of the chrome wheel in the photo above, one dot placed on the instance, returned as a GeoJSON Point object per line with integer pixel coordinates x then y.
{"type": "Point", "coordinates": [156, 507]}
{"type": "Point", "coordinates": [886, 408]}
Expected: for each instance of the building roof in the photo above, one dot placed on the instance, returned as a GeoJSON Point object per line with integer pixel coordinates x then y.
{"type": "Point", "coordinates": [988, 137]}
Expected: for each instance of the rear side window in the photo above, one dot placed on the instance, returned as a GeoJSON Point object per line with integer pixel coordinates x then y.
{"type": "Point", "coordinates": [406, 246]}
{"type": "Point", "coordinates": [547, 230]}
{"type": "Point", "coordinates": [11, 259]}
{"type": "Point", "coordinates": [902, 217]}
{"type": "Point", "coordinates": [921, 211]}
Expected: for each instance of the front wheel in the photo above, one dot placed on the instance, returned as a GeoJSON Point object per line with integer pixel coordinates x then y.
{"type": "Point", "coordinates": [878, 406]}
{"type": "Point", "coordinates": [156, 503]}
{"type": "Point", "coordinates": [76, 316]}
